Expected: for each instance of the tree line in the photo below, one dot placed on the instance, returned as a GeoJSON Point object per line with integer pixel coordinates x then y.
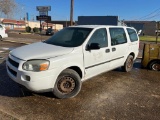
{"type": "Point", "coordinates": [8, 8]}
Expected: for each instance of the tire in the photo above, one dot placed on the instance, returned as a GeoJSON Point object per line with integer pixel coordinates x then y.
{"type": "Point", "coordinates": [0, 38]}
{"type": "Point", "coordinates": [68, 84]}
{"type": "Point", "coordinates": [155, 65]}
{"type": "Point", "coordinates": [128, 65]}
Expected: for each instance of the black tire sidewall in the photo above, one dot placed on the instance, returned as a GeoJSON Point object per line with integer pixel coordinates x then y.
{"type": "Point", "coordinates": [151, 65]}
{"type": "Point", "coordinates": [0, 38]}
{"type": "Point", "coordinates": [125, 68]}
{"type": "Point", "coordinates": [75, 76]}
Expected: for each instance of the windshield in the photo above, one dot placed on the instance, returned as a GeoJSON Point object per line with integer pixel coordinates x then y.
{"type": "Point", "coordinates": [69, 37]}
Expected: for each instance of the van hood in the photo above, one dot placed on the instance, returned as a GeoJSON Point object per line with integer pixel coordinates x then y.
{"type": "Point", "coordinates": [40, 50]}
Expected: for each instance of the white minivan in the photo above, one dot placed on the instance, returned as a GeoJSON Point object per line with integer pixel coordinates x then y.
{"type": "Point", "coordinates": [73, 55]}
{"type": "Point", "coordinates": [3, 33]}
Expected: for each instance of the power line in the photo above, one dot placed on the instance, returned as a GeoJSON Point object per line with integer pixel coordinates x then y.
{"type": "Point", "coordinates": [156, 15]}
{"type": "Point", "coordinates": [150, 15]}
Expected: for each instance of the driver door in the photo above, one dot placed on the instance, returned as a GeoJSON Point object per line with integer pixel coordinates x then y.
{"type": "Point", "coordinates": [96, 60]}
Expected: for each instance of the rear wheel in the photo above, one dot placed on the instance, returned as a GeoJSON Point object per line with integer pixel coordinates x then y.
{"type": "Point", "coordinates": [128, 65]}
{"type": "Point", "coordinates": [155, 65]}
{"type": "Point", "coordinates": [68, 84]}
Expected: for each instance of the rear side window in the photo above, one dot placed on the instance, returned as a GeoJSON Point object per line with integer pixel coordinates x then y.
{"type": "Point", "coordinates": [118, 36]}
{"type": "Point", "coordinates": [132, 34]}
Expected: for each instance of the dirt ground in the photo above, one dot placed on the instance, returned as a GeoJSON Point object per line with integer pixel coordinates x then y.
{"type": "Point", "coordinates": [113, 95]}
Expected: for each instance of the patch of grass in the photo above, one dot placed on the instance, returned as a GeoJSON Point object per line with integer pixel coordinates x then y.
{"type": "Point", "coordinates": [149, 38]}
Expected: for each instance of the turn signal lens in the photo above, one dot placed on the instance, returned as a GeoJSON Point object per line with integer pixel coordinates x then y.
{"type": "Point", "coordinates": [43, 67]}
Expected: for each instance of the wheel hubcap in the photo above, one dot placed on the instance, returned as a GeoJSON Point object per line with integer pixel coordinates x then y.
{"type": "Point", "coordinates": [156, 67]}
{"type": "Point", "coordinates": [66, 85]}
{"type": "Point", "coordinates": [130, 63]}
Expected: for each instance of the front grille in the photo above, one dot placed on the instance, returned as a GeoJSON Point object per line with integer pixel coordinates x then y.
{"type": "Point", "coordinates": [12, 62]}
{"type": "Point", "coordinates": [13, 72]}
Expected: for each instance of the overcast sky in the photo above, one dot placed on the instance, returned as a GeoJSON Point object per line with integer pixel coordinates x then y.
{"type": "Point", "coordinates": [125, 9]}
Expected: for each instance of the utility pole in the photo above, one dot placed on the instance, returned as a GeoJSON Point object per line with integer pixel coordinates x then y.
{"type": "Point", "coordinates": [71, 12]}
{"type": "Point", "coordinates": [157, 31]}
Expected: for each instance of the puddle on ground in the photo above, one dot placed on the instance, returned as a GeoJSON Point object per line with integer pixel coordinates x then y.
{"type": "Point", "coordinates": [4, 48]}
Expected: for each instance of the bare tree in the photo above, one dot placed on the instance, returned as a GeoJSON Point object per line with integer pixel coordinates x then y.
{"type": "Point", "coordinates": [7, 8]}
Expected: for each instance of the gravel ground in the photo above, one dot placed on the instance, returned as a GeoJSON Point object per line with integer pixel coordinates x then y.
{"type": "Point", "coordinates": [113, 95]}
{"type": "Point", "coordinates": [29, 36]}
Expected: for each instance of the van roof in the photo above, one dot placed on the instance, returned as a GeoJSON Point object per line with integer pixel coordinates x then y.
{"type": "Point", "coordinates": [95, 26]}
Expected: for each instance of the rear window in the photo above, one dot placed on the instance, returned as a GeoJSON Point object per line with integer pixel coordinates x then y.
{"type": "Point", "coordinates": [132, 34]}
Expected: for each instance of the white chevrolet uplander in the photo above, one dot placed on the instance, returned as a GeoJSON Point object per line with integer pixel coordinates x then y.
{"type": "Point", "coordinates": [73, 55]}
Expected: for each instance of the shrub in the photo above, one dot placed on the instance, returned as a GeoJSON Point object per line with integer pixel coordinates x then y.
{"type": "Point", "coordinates": [35, 30]}
{"type": "Point", "coordinates": [28, 29]}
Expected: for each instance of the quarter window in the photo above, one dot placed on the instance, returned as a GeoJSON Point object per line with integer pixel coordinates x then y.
{"type": "Point", "coordinates": [132, 34]}
{"type": "Point", "coordinates": [100, 37]}
{"type": "Point", "coordinates": [118, 36]}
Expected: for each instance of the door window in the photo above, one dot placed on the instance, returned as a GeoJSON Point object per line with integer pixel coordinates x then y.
{"type": "Point", "coordinates": [100, 37]}
{"type": "Point", "coordinates": [118, 36]}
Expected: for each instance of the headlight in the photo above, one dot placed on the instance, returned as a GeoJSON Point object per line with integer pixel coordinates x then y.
{"type": "Point", "coordinates": [36, 65]}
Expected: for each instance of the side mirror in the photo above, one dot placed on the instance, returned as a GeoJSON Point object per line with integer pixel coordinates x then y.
{"type": "Point", "coordinates": [139, 32]}
{"type": "Point", "coordinates": [93, 46]}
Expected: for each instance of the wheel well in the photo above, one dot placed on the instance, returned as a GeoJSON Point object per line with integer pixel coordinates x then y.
{"type": "Point", "coordinates": [77, 69]}
{"type": "Point", "coordinates": [132, 54]}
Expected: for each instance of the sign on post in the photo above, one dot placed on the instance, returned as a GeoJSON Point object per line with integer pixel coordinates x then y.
{"type": "Point", "coordinates": [47, 18]}
{"type": "Point", "coordinates": [43, 13]}
{"type": "Point", "coordinates": [44, 8]}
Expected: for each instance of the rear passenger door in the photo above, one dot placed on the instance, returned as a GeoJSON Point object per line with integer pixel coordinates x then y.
{"type": "Point", "coordinates": [119, 47]}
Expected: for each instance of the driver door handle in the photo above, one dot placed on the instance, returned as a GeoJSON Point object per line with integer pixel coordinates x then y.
{"type": "Point", "coordinates": [107, 50]}
{"type": "Point", "coordinates": [113, 49]}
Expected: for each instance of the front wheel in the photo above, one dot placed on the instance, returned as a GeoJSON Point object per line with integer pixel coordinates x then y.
{"type": "Point", "coordinates": [0, 38]}
{"type": "Point", "coordinates": [68, 84]}
{"type": "Point", "coordinates": [128, 65]}
{"type": "Point", "coordinates": [155, 65]}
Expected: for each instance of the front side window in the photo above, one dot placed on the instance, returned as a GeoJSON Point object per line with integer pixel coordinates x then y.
{"type": "Point", "coordinates": [69, 37]}
{"type": "Point", "coordinates": [100, 37]}
{"type": "Point", "coordinates": [132, 34]}
{"type": "Point", "coordinates": [118, 36]}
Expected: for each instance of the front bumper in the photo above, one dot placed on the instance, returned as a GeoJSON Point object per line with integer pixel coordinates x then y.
{"type": "Point", "coordinates": [35, 81]}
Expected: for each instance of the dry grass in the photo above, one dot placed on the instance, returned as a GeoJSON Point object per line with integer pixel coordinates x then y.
{"type": "Point", "coordinates": [149, 38]}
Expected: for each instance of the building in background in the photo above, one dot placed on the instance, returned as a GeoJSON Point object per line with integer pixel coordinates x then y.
{"type": "Point", "coordinates": [98, 20]}
{"type": "Point", "coordinates": [18, 24]}
{"type": "Point", "coordinates": [62, 22]}
{"type": "Point", "coordinates": [33, 24]}
{"type": "Point", "coordinates": [147, 27]}
{"type": "Point", "coordinates": [13, 24]}
{"type": "Point", "coordinates": [51, 25]}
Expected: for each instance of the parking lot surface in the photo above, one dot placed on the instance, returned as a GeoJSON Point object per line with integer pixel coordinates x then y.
{"type": "Point", "coordinates": [113, 95]}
